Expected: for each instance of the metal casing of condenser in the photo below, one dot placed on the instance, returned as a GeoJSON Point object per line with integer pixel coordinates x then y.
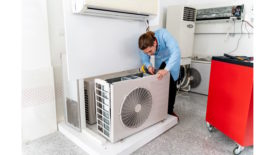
{"type": "Point", "coordinates": [89, 86]}
{"type": "Point", "coordinates": [128, 104]}
{"type": "Point", "coordinates": [203, 69]}
{"type": "Point", "coordinates": [89, 101]}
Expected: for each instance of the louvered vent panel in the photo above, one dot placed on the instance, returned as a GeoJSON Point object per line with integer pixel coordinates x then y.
{"type": "Point", "coordinates": [189, 14]}
{"type": "Point", "coordinates": [86, 104]}
{"type": "Point", "coordinates": [103, 110]}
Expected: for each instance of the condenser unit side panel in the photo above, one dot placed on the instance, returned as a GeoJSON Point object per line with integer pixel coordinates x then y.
{"type": "Point", "coordinates": [112, 75]}
{"type": "Point", "coordinates": [89, 102]}
{"type": "Point", "coordinates": [159, 91]}
{"type": "Point", "coordinates": [103, 103]}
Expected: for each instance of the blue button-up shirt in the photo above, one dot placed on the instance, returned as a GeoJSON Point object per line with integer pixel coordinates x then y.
{"type": "Point", "coordinates": [167, 51]}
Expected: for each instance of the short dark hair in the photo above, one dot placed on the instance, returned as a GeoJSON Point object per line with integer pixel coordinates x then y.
{"type": "Point", "coordinates": [146, 40]}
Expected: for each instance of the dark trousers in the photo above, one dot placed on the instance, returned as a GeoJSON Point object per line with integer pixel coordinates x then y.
{"type": "Point", "coordinates": [172, 91]}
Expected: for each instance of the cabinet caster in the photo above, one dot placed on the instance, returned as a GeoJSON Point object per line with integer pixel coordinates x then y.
{"type": "Point", "coordinates": [238, 150]}
{"type": "Point", "coordinates": [209, 127]}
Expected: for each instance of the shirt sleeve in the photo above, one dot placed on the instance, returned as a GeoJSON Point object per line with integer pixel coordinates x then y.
{"type": "Point", "coordinates": [145, 59]}
{"type": "Point", "coordinates": [172, 45]}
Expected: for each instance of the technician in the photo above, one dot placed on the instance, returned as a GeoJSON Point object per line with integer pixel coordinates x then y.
{"type": "Point", "coordinates": [167, 54]}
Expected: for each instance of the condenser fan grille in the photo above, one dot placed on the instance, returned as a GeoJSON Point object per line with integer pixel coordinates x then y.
{"type": "Point", "coordinates": [136, 108]}
{"type": "Point", "coordinates": [195, 78]}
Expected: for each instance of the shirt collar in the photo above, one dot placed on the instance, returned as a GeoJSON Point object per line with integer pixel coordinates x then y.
{"type": "Point", "coordinates": [158, 45]}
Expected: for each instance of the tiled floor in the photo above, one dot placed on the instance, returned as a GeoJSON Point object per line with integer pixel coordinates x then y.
{"type": "Point", "coordinates": [189, 137]}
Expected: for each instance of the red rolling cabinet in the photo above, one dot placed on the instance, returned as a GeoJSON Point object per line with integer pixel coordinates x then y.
{"type": "Point", "coordinates": [230, 100]}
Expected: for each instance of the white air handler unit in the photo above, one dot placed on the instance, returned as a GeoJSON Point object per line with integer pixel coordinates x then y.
{"type": "Point", "coordinates": [180, 22]}
{"type": "Point", "coordinates": [126, 105]}
{"type": "Point", "coordinates": [125, 9]}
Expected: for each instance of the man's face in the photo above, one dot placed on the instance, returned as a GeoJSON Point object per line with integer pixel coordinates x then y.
{"type": "Point", "coordinates": [151, 50]}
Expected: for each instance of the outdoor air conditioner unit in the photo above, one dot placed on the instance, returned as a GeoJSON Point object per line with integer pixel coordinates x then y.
{"type": "Point", "coordinates": [89, 92]}
{"type": "Point", "coordinates": [125, 9]}
{"type": "Point", "coordinates": [128, 104]}
{"type": "Point", "coordinates": [180, 22]}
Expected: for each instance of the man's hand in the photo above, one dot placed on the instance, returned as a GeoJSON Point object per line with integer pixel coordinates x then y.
{"type": "Point", "coordinates": [151, 70]}
{"type": "Point", "coordinates": [161, 73]}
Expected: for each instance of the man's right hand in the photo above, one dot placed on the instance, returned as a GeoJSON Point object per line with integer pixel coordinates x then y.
{"type": "Point", "coordinates": [151, 70]}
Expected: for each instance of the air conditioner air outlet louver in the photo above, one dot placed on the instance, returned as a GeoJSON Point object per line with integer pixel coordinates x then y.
{"type": "Point", "coordinates": [130, 10]}
{"type": "Point", "coordinates": [189, 14]}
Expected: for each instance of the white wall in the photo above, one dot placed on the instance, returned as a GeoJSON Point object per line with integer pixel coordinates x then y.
{"type": "Point", "coordinates": [38, 100]}
{"type": "Point", "coordinates": [97, 45]}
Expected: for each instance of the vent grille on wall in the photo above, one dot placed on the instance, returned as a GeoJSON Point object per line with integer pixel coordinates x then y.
{"type": "Point", "coordinates": [73, 116]}
{"type": "Point", "coordinates": [189, 14]}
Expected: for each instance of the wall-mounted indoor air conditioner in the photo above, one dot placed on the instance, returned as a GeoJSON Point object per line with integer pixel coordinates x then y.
{"type": "Point", "coordinates": [220, 13]}
{"type": "Point", "coordinates": [125, 9]}
{"type": "Point", "coordinates": [180, 22]}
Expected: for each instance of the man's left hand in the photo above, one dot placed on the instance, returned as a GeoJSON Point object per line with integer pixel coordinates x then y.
{"type": "Point", "coordinates": [161, 73]}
